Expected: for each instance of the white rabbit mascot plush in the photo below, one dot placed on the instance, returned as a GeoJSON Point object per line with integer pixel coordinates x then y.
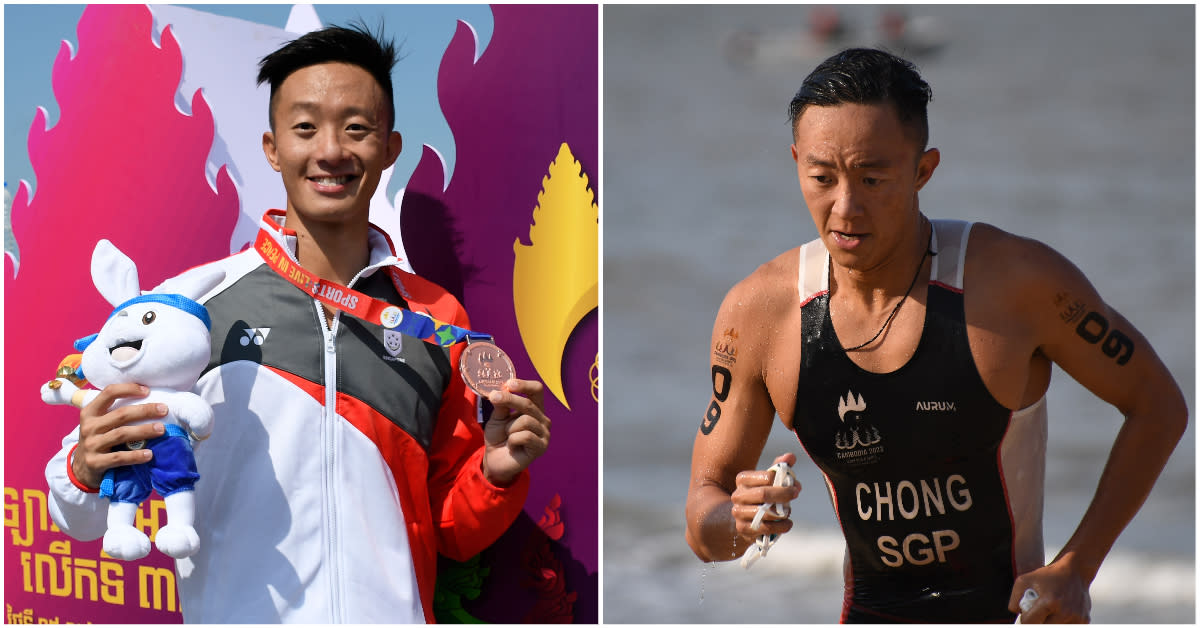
{"type": "Point", "coordinates": [160, 340]}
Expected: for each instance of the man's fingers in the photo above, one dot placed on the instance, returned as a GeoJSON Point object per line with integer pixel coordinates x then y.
{"type": "Point", "coordinates": [505, 412]}
{"type": "Point", "coordinates": [1039, 612]}
{"type": "Point", "coordinates": [513, 402]}
{"type": "Point", "coordinates": [1057, 614]}
{"type": "Point", "coordinates": [528, 441]}
{"type": "Point", "coordinates": [128, 434]}
{"type": "Point", "coordinates": [755, 477]}
{"type": "Point", "coordinates": [530, 388]}
{"type": "Point", "coordinates": [123, 458]}
{"type": "Point", "coordinates": [90, 466]}
{"type": "Point", "coordinates": [762, 477]}
{"type": "Point", "coordinates": [1014, 598]}
{"type": "Point", "coordinates": [529, 424]}
{"type": "Point", "coordinates": [128, 414]}
{"type": "Point", "coordinates": [765, 495]}
{"type": "Point", "coordinates": [1036, 616]}
{"type": "Point", "coordinates": [771, 523]}
{"type": "Point", "coordinates": [767, 526]}
{"type": "Point", "coordinates": [789, 458]}
{"type": "Point", "coordinates": [507, 405]}
{"type": "Point", "coordinates": [111, 393]}
{"type": "Point", "coordinates": [747, 512]}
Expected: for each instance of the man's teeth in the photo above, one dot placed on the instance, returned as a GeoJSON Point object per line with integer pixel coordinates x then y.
{"type": "Point", "coordinates": [332, 180]}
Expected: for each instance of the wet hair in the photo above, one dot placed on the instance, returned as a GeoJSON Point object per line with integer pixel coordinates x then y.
{"type": "Point", "coordinates": [865, 76]}
{"type": "Point", "coordinates": [354, 44]}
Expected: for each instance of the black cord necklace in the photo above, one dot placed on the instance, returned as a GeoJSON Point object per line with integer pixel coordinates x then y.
{"type": "Point", "coordinates": [927, 253]}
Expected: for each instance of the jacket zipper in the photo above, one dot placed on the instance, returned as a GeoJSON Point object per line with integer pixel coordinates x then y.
{"type": "Point", "coordinates": [329, 330]}
{"type": "Point", "coordinates": [331, 461]}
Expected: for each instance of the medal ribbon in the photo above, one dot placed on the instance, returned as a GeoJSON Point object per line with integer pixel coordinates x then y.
{"type": "Point", "coordinates": [357, 304]}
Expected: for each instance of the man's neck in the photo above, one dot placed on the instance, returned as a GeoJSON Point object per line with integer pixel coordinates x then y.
{"type": "Point", "coordinates": [332, 251]}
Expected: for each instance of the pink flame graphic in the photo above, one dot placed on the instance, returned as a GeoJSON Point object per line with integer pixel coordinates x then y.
{"type": "Point", "coordinates": [122, 163]}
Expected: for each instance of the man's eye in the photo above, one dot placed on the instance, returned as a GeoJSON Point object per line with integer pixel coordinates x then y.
{"type": "Point", "coordinates": [870, 180]}
{"type": "Point", "coordinates": [820, 178]}
{"type": "Point", "coordinates": [304, 126]}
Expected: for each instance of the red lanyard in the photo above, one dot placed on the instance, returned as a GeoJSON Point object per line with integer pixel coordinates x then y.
{"type": "Point", "coordinates": [336, 296]}
{"type": "Point", "coordinates": [357, 304]}
{"type": "Point", "coordinates": [484, 366]}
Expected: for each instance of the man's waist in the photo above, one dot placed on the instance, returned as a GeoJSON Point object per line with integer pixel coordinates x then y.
{"type": "Point", "coordinates": [913, 599]}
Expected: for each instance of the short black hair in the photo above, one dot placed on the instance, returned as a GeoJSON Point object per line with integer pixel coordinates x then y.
{"type": "Point", "coordinates": [867, 76]}
{"type": "Point", "coordinates": [354, 44]}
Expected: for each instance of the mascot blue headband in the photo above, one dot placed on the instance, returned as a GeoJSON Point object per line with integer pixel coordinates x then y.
{"type": "Point", "coordinates": [177, 301]}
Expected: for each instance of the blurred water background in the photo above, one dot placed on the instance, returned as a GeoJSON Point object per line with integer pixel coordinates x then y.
{"type": "Point", "coordinates": [1074, 125]}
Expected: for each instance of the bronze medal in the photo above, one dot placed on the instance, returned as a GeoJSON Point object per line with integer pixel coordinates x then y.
{"type": "Point", "coordinates": [485, 367]}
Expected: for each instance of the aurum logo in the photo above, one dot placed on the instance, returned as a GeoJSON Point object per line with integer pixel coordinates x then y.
{"type": "Point", "coordinates": [936, 406]}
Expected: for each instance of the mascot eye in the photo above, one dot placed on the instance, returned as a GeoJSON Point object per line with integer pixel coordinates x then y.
{"type": "Point", "coordinates": [148, 317]}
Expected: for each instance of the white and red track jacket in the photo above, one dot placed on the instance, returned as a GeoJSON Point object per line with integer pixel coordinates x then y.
{"type": "Point", "coordinates": [343, 459]}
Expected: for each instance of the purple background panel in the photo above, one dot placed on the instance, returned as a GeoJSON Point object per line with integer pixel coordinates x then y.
{"type": "Point", "coordinates": [510, 113]}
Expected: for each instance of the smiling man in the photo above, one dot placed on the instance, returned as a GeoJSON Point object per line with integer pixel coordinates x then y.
{"type": "Point", "coordinates": [346, 453]}
{"type": "Point", "coordinates": [911, 358]}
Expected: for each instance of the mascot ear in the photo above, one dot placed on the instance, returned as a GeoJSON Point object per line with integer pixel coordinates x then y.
{"type": "Point", "coordinates": [194, 283]}
{"type": "Point", "coordinates": [114, 274]}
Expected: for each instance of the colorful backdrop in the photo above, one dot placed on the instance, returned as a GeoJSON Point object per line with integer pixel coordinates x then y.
{"type": "Point", "coordinates": [143, 125]}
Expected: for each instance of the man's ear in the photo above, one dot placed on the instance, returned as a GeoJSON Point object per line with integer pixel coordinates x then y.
{"type": "Point", "coordinates": [926, 165]}
{"type": "Point", "coordinates": [395, 142]}
{"type": "Point", "coordinates": [269, 150]}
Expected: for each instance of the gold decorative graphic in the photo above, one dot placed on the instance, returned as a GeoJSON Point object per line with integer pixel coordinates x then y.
{"type": "Point", "coordinates": [594, 376]}
{"type": "Point", "coordinates": [556, 278]}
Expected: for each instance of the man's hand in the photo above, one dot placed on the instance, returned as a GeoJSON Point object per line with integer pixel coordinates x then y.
{"type": "Point", "coordinates": [517, 432]}
{"type": "Point", "coordinates": [101, 429]}
{"type": "Point", "coordinates": [1062, 596]}
{"type": "Point", "coordinates": [754, 488]}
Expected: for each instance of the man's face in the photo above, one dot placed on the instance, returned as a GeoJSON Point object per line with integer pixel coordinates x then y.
{"type": "Point", "coordinates": [860, 170]}
{"type": "Point", "coordinates": [330, 141]}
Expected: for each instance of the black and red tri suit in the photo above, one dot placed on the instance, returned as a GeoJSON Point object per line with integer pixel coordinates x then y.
{"type": "Point", "coordinates": [937, 486]}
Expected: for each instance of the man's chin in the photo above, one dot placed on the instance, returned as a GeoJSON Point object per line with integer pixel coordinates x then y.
{"type": "Point", "coordinates": [331, 211]}
{"type": "Point", "coordinates": [851, 260]}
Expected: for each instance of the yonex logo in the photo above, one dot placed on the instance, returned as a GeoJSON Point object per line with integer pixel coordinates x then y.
{"type": "Point", "coordinates": [256, 335]}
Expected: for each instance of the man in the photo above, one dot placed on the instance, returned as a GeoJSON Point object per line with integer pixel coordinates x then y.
{"type": "Point", "coordinates": [345, 456]}
{"type": "Point", "coordinates": [911, 358]}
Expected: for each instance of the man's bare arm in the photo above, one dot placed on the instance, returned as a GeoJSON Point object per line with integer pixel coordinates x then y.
{"type": "Point", "coordinates": [1100, 349]}
{"type": "Point", "coordinates": [733, 431]}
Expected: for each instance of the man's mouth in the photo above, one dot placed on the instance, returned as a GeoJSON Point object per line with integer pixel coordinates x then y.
{"type": "Point", "coordinates": [332, 181]}
{"type": "Point", "coordinates": [847, 241]}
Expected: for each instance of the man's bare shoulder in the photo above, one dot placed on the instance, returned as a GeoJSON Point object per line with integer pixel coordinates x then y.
{"type": "Point", "coordinates": [1007, 261]}
{"type": "Point", "coordinates": [770, 288]}
{"type": "Point", "coordinates": [1019, 284]}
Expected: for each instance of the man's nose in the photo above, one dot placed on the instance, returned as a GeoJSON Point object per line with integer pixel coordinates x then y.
{"type": "Point", "coordinates": [329, 146]}
{"type": "Point", "coordinates": [846, 201]}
